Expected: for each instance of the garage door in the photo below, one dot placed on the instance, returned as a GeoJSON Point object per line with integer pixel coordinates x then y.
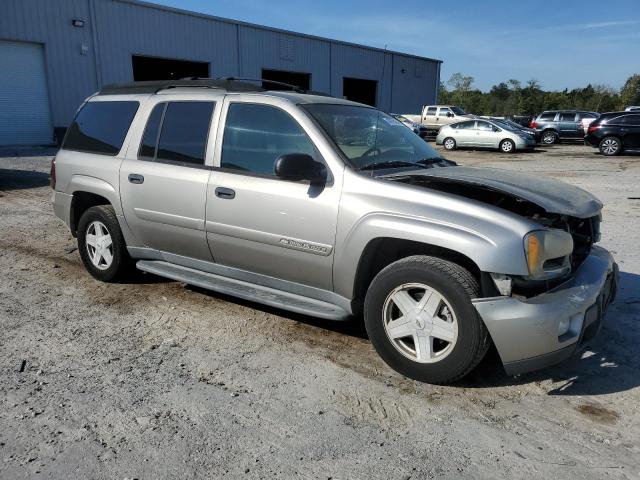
{"type": "Point", "coordinates": [25, 117]}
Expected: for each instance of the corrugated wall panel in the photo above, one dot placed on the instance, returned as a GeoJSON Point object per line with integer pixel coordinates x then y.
{"type": "Point", "coordinates": [357, 62]}
{"type": "Point", "coordinates": [126, 29]}
{"type": "Point", "coordinates": [414, 84]}
{"type": "Point", "coordinates": [70, 73]}
{"type": "Point", "coordinates": [280, 51]}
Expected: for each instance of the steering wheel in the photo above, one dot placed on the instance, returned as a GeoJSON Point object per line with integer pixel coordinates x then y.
{"type": "Point", "coordinates": [370, 151]}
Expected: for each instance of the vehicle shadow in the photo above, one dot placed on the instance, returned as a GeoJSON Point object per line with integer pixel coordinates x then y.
{"type": "Point", "coordinates": [27, 151]}
{"type": "Point", "coordinates": [11, 179]}
{"type": "Point", "coordinates": [608, 364]}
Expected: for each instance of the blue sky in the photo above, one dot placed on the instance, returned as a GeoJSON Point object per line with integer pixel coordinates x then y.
{"type": "Point", "coordinates": [561, 43]}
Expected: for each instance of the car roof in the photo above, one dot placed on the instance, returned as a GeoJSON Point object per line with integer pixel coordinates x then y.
{"type": "Point", "coordinates": [225, 85]}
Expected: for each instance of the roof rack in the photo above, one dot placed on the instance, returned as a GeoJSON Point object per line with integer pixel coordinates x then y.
{"type": "Point", "coordinates": [227, 84]}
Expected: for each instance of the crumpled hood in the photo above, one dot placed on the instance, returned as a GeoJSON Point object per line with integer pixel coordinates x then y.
{"type": "Point", "coordinates": [552, 195]}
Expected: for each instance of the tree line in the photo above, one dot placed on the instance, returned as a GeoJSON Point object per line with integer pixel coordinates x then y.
{"type": "Point", "coordinates": [513, 98]}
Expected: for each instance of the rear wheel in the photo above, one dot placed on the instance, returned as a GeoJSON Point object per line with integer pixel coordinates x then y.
{"type": "Point", "coordinates": [420, 319]}
{"type": "Point", "coordinates": [507, 146]}
{"type": "Point", "coordinates": [549, 137]}
{"type": "Point", "coordinates": [449, 143]}
{"type": "Point", "coordinates": [102, 246]}
{"type": "Point", "coordinates": [610, 146]}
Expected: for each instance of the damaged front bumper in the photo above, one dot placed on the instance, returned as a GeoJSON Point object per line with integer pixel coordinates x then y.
{"type": "Point", "coordinates": [526, 331]}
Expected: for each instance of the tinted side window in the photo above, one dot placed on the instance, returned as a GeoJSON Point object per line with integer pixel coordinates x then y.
{"type": "Point", "coordinates": [256, 135]}
{"type": "Point", "coordinates": [431, 110]}
{"type": "Point", "coordinates": [486, 126]}
{"type": "Point", "coordinates": [465, 125]}
{"type": "Point", "coordinates": [100, 127]}
{"type": "Point", "coordinates": [150, 137]}
{"type": "Point", "coordinates": [547, 117]}
{"type": "Point", "coordinates": [185, 128]}
{"type": "Point", "coordinates": [568, 117]}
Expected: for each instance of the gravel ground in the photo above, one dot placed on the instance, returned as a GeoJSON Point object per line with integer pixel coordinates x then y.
{"type": "Point", "coordinates": [155, 379]}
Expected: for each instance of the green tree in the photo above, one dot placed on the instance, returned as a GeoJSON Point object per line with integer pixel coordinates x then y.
{"type": "Point", "coordinates": [630, 93]}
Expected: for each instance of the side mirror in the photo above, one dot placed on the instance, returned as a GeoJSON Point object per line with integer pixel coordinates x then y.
{"type": "Point", "coordinates": [496, 129]}
{"type": "Point", "coordinates": [300, 166]}
{"type": "Point", "coordinates": [449, 114]}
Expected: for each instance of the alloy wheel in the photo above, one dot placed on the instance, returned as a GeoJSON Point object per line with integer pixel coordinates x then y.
{"type": "Point", "coordinates": [420, 323]}
{"type": "Point", "coordinates": [507, 146]}
{"type": "Point", "coordinates": [549, 138]}
{"type": "Point", "coordinates": [99, 245]}
{"type": "Point", "coordinates": [449, 144]}
{"type": "Point", "coordinates": [610, 146]}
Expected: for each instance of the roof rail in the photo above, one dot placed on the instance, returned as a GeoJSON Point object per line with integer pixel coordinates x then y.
{"type": "Point", "coordinates": [154, 86]}
{"type": "Point", "coordinates": [227, 84]}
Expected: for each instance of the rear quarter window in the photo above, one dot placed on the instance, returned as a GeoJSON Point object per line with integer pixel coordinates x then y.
{"type": "Point", "coordinates": [100, 127]}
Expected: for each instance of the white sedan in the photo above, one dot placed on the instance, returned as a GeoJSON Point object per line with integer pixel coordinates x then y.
{"type": "Point", "coordinates": [484, 133]}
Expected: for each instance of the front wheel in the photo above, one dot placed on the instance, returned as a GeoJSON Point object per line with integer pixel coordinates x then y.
{"type": "Point", "coordinates": [420, 319]}
{"type": "Point", "coordinates": [101, 244]}
{"type": "Point", "coordinates": [507, 146]}
{"type": "Point", "coordinates": [610, 146]}
{"type": "Point", "coordinates": [449, 143]}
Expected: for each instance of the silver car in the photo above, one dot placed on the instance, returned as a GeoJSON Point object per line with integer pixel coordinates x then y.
{"type": "Point", "coordinates": [484, 134]}
{"type": "Point", "coordinates": [333, 209]}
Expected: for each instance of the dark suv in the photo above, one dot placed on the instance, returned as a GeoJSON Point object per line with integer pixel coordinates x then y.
{"type": "Point", "coordinates": [615, 132]}
{"type": "Point", "coordinates": [557, 125]}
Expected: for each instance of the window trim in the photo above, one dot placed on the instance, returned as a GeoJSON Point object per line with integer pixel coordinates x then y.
{"type": "Point", "coordinates": [177, 163]}
{"type": "Point", "coordinates": [223, 125]}
{"type": "Point", "coordinates": [116, 154]}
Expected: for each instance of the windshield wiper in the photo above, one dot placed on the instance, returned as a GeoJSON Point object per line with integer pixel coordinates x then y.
{"type": "Point", "coordinates": [435, 161]}
{"type": "Point", "coordinates": [391, 164]}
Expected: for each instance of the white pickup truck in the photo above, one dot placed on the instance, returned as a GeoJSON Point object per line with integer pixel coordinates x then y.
{"type": "Point", "coordinates": [435, 116]}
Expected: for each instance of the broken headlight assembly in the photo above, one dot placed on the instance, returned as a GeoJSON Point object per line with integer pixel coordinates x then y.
{"type": "Point", "coordinates": [548, 254]}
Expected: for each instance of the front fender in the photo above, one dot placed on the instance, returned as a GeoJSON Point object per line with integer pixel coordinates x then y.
{"type": "Point", "coordinates": [501, 252]}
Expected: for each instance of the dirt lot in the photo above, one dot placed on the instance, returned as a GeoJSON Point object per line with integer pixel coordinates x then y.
{"type": "Point", "coordinates": [154, 379]}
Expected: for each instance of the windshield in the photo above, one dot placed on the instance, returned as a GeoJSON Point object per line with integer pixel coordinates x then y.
{"type": "Point", "coordinates": [371, 139]}
{"type": "Point", "coordinates": [458, 111]}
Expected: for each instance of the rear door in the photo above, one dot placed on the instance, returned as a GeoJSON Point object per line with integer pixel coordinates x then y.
{"type": "Point", "coordinates": [465, 133]}
{"type": "Point", "coordinates": [568, 125]}
{"type": "Point", "coordinates": [630, 130]}
{"type": "Point", "coordinates": [164, 179]}
{"type": "Point", "coordinates": [430, 117]}
{"type": "Point", "coordinates": [256, 221]}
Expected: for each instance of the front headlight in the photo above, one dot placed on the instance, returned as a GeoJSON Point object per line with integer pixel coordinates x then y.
{"type": "Point", "coordinates": [548, 253]}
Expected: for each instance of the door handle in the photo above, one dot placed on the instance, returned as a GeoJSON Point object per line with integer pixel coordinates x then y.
{"type": "Point", "coordinates": [225, 193]}
{"type": "Point", "coordinates": [135, 178]}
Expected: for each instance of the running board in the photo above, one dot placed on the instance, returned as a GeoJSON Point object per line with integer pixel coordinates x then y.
{"type": "Point", "coordinates": [244, 290]}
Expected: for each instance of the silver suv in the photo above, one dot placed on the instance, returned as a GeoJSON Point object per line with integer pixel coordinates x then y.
{"type": "Point", "coordinates": [334, 209]}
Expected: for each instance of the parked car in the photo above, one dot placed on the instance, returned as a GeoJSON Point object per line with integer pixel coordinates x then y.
{"type": "Point", "coordinates": [416, 127]}
{"type": "Point", "coordinates": [484, 133]}
{"type": "Point", "coordinates": [560, 124]}
{"type": "Point", "coordinates": [614, 133]}
{"type": "Point", "coordinates": [254, 194]}
{"type": "Point", "coordinates": [517, 127]}
{"type": "Point", "coordinates": [632, 109]}
{"type": "Point", "coordinates": [435, 116]}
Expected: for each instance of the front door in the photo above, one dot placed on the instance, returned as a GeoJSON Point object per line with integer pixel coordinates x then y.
{"type": "Point", "coordinates": [630, 130]}
{"type": "Point", "coordinates": [262, 224]}
{"type": "Point", "coordinates": [164, 187]}
{"type": "Point", "coordinates": [485, 136]}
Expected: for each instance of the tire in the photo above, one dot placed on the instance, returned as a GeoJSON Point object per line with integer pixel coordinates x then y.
{"type": "Point", "coordinates": [507, 146]}
{"type": "Point", "coordinates": [549, 137]}
{"type": "Point", "coordinates": [610, 146]}
{"type": "Point", "coordinates": [113, 261]}
{"type": "Point", "coordinates": [449, 143]}
{"type": "Point", "coordinates": [440, 361]}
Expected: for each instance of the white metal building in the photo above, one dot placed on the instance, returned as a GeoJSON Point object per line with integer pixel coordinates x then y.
{"type": "Point", "coordinates": [54, 53]}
